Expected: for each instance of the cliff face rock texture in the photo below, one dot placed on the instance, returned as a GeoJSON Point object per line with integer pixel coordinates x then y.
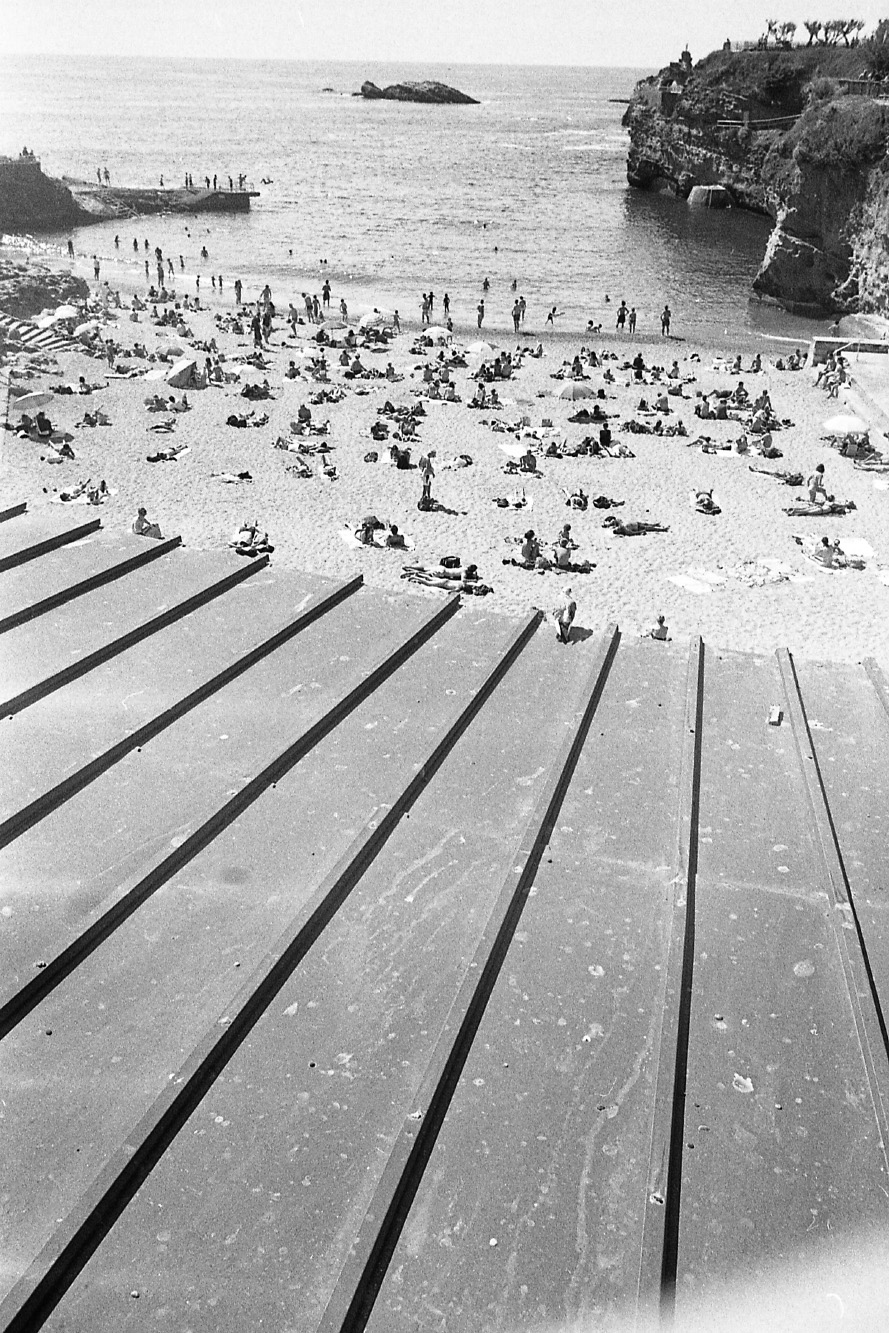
{"type": "Point", "coordinates": [784, 140]}
{"type": "Point", "coordinates": [26, 289]}
{"type": "Point", "coordinates": [827, 181]}
{"type": "Point", "coordinates": [676, 154]}
{"type": "Point", "coordinates": [30, 201]}
{"type": "Point", "coordinates": [426, 90]}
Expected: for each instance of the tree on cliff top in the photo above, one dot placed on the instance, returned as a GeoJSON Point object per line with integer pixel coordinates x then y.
{"type": "Point", "coordinates": [876, 51]}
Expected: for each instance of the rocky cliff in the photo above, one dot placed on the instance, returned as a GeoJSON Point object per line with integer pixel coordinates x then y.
{"type": "Point", "coordinates": [425, 91]}
{"type": "Point", "coordinates": [780, 134]}
{"type": "Point", "coordinates": [26, 288]}
{"type": "Point", "coordinates": [30, 201]}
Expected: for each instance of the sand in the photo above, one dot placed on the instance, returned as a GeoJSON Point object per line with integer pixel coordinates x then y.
{"type": "Point", "coordinates": [817, 614]}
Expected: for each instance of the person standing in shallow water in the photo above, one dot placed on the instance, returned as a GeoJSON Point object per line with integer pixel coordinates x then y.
{"type": "Point", "coordinates": [665, 320]}
{"type": "Point", "coordinates": [631, 319]}
{"type": "Point", "coordinates": [480, 311]}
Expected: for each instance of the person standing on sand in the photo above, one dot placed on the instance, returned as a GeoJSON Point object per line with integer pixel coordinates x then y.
{"type": "Point", "coordinates": [325, 293]}
{"type": "Point", "coordinates": [631, 320]}
{"type": "Point", "coordinates": [480, 311]}
{"type": "Point", "coordinates": [214, 180]}
{"type": "Point", "coordinates": [816, 487]}
{"type": "Point", "coordinates": [523, 306]}
{"type": "Point", "coordinates": [564, 615]}
{"type": "Point", "coordinates": [516, 315]}
{"type": "Point", "coordinates": [238, 290]}
{"type": "Point", "coordinates": [622, 313]}
{"type": "Point", "coordinates": [107, 176]}
{"type": "Point", "coordinates": [665, 321]}
{"type": "Point", "coordinates": [96, 268]}
{"type": "Point", "coordinates": [344, 310]}
{"type": "Point", "coordinates": [396, 322]}
{"type": "Point", "coordinates": [427, 472]}
{"type": "Point", "coordinates": [424, 311]}
{"type": "Point", "coordinates": [70, 248]}
{"type": "Point", "coordinates": [446, 304]}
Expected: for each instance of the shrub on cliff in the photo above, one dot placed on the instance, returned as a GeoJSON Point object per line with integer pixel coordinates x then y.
{"type": "Point", "coordinates": [850, 132]}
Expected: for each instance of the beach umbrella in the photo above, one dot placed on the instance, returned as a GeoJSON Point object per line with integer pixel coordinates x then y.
{"type": "Point", "coordinates": [170, 349]}
{"type": "Point", "coordinates": [481, 348]}
{"type": "Point", "coordinates": [66, 312]}
{"type": "Point", "coordinates": [30, 401]}
{"type": "Point", "coordinates": [845, 424]}
{"type": "Point", "coordinates": [89, 326]}
{"type": "Point", "coordinates": [576, 389]}
{"type": "Point", "coordinates": [375, 319]}
{"type": "Point", "coordinates": [438, 333]}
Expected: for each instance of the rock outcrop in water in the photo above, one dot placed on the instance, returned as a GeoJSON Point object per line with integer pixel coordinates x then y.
{"type": "Point", "coordinates": [33, 202]}
{"type": "Point", "coordinates": [425, 91]}
{"type": "Point", "coordinates": [782, 137]}
{"type": "Point", "coordinates": [30, 201]}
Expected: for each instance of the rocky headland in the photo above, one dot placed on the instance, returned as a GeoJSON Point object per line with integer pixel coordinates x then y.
{"type": "Point", "coordinates": [33, 202]}
{"type": "Point", "coordinates": [28, 288]}
{"type": "Point", "coordinates": [427, 90]}
{"type": "Point", "coordinates": [788, 134]}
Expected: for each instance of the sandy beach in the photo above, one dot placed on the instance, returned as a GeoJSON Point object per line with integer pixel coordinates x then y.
{"type": "Point", "coordinates": [705, 575]}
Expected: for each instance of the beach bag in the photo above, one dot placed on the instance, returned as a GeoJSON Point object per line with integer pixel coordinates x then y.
{"type": "Point", "coordinates": [449, 561]}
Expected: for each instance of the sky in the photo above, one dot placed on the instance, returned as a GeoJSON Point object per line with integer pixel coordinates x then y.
{"type": "Point", "coordinates": [634, 33]}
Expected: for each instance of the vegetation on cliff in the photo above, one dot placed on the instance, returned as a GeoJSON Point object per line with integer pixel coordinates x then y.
{"type": "Point", "coordinates": [787, 130]}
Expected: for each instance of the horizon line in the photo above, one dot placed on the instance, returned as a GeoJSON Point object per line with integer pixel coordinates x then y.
{"type": "Point", "coordinates": [316, 60]}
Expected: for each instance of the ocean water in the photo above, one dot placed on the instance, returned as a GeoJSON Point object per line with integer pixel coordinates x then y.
{"type": "Point", "coordinates": [398, 198]}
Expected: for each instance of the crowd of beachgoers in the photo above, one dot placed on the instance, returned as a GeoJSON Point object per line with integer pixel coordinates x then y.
{"type": "Point", "coordinates": [600, 476]}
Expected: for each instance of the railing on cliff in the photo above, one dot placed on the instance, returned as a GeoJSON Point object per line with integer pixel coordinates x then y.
{"type": "Point", "coordinates": [864, 87]}
{"type": "Point", "coordinates": [747, 123]}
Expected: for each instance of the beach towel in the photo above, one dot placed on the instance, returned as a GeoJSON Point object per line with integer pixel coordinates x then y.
{"type": "Point", "coordinates": [690, 584]}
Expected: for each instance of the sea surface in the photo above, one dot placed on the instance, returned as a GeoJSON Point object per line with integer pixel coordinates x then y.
{"type": "Point", "coordinates": [398, 198]}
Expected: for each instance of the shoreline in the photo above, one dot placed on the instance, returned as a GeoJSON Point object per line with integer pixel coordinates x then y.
{"type": "Point", "coordinates": [129, 278]}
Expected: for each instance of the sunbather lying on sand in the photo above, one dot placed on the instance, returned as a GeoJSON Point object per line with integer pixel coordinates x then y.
{"type": "Point", "coordinates": [704, 502]}
{"type": "Point", "coordinates": [632, 528]}
{"type": "Point", "coordinates": [96, 418]}
{"type": "Point", "coordinates": [166, 455]}
{"type": "Point", "coordinates": [804, 508]}
{"type": "Point", "coordinates": [231, 477]}
{"type": "Point", "coordinates": [452, 580]}
{"type": "Point", "coordinates": [250, 541]}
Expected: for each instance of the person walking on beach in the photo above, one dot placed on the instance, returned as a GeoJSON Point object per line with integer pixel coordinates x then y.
{"type": "Point", "coordinates": [446, 304]}
{"type": "Point", "coordinates": [622, 313]}
{"type": "Point", "coordinates": [344, 310]}
{"type": "Point", "coordinates": [107, 176]}
{"type": "Point", "coordinates": [96, 268]}
{"type": "Point", "coordinates": [214, 180]}
{"type": "Point", "coordinates": [553, 316]}
{"type": "Point", "coordinates": [162, 182]}
{"type": "Point", "coordinates": [480, 311]}
{"type": "Point", "coordinates": [170, 269]}
{"type": "Point", "coordinates": [99, 175]}
{"type": "Point", "coordinates": [70, 248]}
{"type": "Point", "coordinates": [396, 322]}
{"type": "Point", "coordinates": [665, 321]}
{"type": "Point", "coordinates": [147, 270]}
{"type": "Point", "coordinates": [135, 245]}
{"type": "Point", "coordinates": [631, 320]}
{"type": "Point", "coordinates": [523, 306]}
{"type": "Point", "coordinates": [325, 293]}
{"type": "Point", "coordinates": [516, 315]}
{"type": "Point", "coordinates": [231, 184]}
{"type": "Point", "coordinates": [238, 290]}
{"type": "Point", "coordinates": [424, 311]}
